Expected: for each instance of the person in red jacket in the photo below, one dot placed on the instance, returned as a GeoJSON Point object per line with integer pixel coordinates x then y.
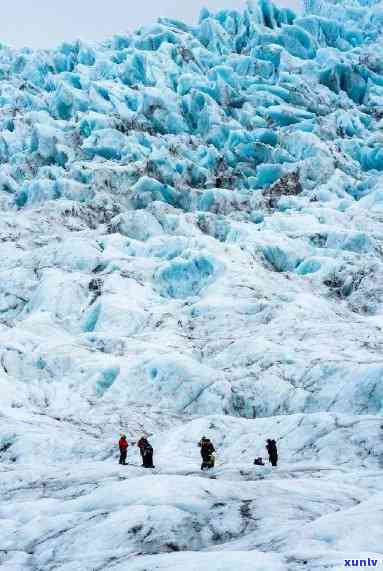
{"type": "Point", "coordinates": [123, 446]}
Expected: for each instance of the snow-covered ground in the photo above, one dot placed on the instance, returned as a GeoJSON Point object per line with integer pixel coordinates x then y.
{"type": "Point", "coordinates": [68, 505]}
{"type": "Point", "coordinates": [191, 243]}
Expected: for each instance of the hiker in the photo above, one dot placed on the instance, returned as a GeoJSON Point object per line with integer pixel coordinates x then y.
{"type": "Point", "coordinates": [123, 446]}
{"type": "Point", "coordinates": [207, 453]}
{"type": "Point", "coordinates": [147, 455]}
{"type": "Point", "coordinates": [271, 448]}
{"type": "Point", "coordinates": [143, 441]}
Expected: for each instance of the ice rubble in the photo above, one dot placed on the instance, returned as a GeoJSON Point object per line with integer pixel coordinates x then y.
{"type": "Point", "coordinates": [191, 242]}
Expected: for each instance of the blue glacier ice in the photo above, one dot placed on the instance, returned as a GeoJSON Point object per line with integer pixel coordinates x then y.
{"type": "Point", "coordinates": [205, 81]}
{"type": "Point", "coordinates": [183, 278]}
{"type": "Point", "coordinates": [191, 242]}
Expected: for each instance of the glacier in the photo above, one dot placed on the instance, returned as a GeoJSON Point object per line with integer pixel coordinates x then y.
{"type": "Point", "coordinates": [191, 242]}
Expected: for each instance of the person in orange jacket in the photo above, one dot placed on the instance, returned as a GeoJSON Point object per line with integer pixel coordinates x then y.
{"type": "Point", "coordinates": [123, 446]}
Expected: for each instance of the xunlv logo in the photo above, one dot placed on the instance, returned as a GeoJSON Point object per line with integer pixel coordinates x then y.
{"type": "Point", "coordinates": [360, 562]}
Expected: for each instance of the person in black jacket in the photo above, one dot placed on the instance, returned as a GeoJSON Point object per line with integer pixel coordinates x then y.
{"type": "Point", "coordinates": [207, 450]}
{"type": "Point", "coordinates": [271, 448]}
{"type": "Point", "coordinates": [141, 444]}
{"type": "Point", "coordinates": [147, 455]}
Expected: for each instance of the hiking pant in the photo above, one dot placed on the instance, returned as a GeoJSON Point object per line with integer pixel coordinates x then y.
{"type": "Point", "coordinates": [207, 461]}
{"type": "Point", "coordinates": [147, 459]}
{"type": "Point", "coordinates": [274, 460]}
{"type": "Point", "coordinates": [123, 455]}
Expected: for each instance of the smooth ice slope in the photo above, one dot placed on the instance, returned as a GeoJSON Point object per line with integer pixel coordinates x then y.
{"type": "Point", "coordinates": [191, 241]}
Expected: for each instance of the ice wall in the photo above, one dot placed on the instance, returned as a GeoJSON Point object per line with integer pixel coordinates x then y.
{"type": "Point", "coordinates": [177, 189]}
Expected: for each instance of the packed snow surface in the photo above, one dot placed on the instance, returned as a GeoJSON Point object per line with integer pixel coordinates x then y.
{"type": "Point", "coordinates": [191, 243]}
